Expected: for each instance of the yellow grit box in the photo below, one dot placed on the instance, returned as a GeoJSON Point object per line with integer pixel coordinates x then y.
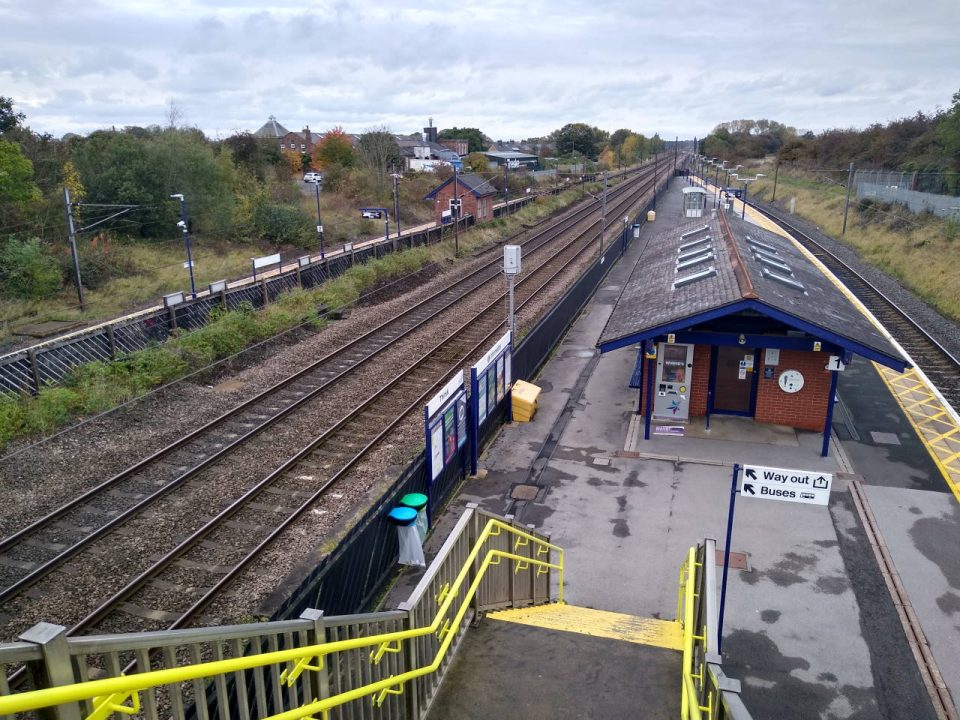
{"type": "Point", "coordinates": [651, 215]}
{"type": "Point", "coordinates": [524, 400]}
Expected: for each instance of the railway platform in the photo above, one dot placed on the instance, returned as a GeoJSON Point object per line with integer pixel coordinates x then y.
{"type": "Point", "coordinates": [810, 628]}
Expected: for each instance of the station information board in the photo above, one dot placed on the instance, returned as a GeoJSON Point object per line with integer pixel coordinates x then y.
{"type": "Point", "coordinates": [445, 424]}
{"type": "Point", "coordinates": [490, 381]}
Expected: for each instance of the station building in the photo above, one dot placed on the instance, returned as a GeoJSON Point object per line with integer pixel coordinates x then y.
{"type": "Point", "coordinates": [475, 194]}
{"type": "Point", "coordinates": [729, 318]}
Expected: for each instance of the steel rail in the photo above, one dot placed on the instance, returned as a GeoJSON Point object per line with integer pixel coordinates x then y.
{"type": "Point", "coordinates": [545, 236]}
{"type": "Point", "coordinates": [108, 605]}
{"type": "Point", "coordinates": [873, 289]}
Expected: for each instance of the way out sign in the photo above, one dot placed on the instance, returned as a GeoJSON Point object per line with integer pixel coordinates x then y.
{"type": "Point", "coordinates": [799, 486]}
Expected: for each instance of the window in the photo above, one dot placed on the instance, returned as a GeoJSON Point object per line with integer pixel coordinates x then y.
{"type": "Point", "coordinates": [302, 146]}
{"type": "Point", "coordinates": [293, 146]}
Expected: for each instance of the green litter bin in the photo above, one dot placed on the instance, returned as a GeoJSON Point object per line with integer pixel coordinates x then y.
{"type": "Point", "coordinates": [418, 502]}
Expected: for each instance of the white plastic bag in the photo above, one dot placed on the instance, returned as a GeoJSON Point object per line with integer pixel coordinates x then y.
{"type": "Point", "coordinates": [411, 549]}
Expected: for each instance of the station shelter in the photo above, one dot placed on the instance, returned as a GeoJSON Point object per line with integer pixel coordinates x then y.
{"type": "Point", "coordinates": [462, 195]}
{"type": "Point", "coordinates": [729, 318]}
{"type": "Point", "coordinates": [694, 201]}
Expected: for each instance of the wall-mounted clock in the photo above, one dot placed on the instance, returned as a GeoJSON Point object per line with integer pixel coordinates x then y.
{"type": "Point", "coordinates": [791, 381]}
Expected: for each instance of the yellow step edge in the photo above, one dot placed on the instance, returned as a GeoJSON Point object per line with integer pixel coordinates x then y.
{"type": "Point", "coordinates": [597, 623]}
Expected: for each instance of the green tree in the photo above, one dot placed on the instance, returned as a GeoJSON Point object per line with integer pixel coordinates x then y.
{"type": "Point", "coordinates": [9, 120]}
{"type": "Point", "coordinates": [16, 176]}
{"type": "Point", "coordinates": [579, 138]}
{"type": "Point", "coordinates": [334, 148]}
{"type": "Point", "coordinates": [476, 161]}
{"type": "Point", "coordinates": [256, 155]}
{"type": "Point", "coordinates": [379, 152]}
{"type": "Point", "coordinates": [476, 140]}
{"type": "Point", "coordinates": [948, 130]}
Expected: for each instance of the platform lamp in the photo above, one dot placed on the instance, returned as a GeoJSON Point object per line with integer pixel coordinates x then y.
{"type": "Point", "coordinates": [743, 213]}
{"type": "Point", "coordinates": [319, 221]}
{"type": "Point", "coordinates": [716, 181]}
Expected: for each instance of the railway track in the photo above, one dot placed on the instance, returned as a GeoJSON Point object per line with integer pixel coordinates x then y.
{"type": "Point", "coordinates": [175, 586]}
{"type": "Point", "coordinates": [926, 352]}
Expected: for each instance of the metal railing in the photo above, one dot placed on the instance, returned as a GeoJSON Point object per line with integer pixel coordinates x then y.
{"type": "Point", "coordinates": [331, 667]}
{"type": "Point", "coordinates": [706, 692]}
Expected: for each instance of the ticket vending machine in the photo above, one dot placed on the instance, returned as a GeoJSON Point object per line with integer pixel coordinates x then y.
{"type": "Point", "coordinates": [671, 397]}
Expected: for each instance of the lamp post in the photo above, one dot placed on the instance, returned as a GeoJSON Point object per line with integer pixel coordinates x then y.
{"type": "Point", "coordinates": [743, 200]}
{"type": "Point", "coordinates": [319, 222]}
{"type": "Point", "coordinates": [716, 181]}
{"type": "Point", "coordinates": [186, 236]}
{"type": "Point", "coordinates": [396, 204]}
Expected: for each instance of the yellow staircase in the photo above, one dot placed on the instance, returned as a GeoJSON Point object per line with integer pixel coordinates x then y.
{"type": "Point", "coordinates": [667, 634]}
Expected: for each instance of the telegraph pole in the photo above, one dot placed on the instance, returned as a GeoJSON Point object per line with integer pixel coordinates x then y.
{"type": "Point", "coordinates": [506, 189]}
{"type": "Point", "coordinates": [776, 172]}
{"type": "Point", "coordinates": [396, 205]}
{"type": "Point", "coordinates": [846, 206]}
{"type": "Point", "coordinates": [319, 222]}
{"type": "Point", "coordinates": [72, 234]}
{"type": "Point", "coordinates": [186, 236]}
{"type": "Point", "coordinates": [456, 214]}
{"type": "Point", "coordinates": [603, 211]}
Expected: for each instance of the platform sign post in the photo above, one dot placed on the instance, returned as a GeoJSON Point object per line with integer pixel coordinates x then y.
{"type": "Point", "coordinates": [490, 381]}
{"type": "Point", "coordinates": [445, 428]}
{"type": "Point", "coordinates": [808, 487]}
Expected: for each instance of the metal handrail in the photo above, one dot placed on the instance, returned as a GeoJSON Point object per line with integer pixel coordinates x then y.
{"type": "Point", "coordinates": [113, 692]}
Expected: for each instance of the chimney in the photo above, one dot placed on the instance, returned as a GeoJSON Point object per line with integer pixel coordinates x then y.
{"type": "Point", "coordinates": [430, 132]}
{"type": "Point", "coordinates": [308, 137]}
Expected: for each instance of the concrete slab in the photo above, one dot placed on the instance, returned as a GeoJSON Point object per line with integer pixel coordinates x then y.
{"type": "Point", "coordinates": [505, 670]}
{"type": "Point", "coordinates": [922, 532]}
{"type": "Point", "coordinates": [809, 628]}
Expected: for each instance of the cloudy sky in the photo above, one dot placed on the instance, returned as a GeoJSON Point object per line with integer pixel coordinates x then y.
{"type": "Point", "coordinates": [513, 69]}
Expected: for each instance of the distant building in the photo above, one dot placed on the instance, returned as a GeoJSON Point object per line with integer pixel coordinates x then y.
{"type": "Point", "coordinates": [419, 154]}
{"type": "Point", "coordinates": [459, 146]}
{"type": "Point", "coordinates": [513, 159]}
{"type": "Point", "coordinates": [475, 194]}
{"type": "Point", "coordinates": [288, 140]}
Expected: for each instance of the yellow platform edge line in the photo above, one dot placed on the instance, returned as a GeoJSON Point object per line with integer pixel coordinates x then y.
{"type": "Point", "coordinates": [949, 476]}
{"type": "Point", "coordinates": [666, 634]}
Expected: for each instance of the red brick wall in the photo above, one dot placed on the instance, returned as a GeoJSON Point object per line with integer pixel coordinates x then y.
{"type": "Point", "coordinates": [806, 409]}
{"type": "Point", "coordinates": [701, 380]}
{"type": "Point", "coordinates": [480, 208]}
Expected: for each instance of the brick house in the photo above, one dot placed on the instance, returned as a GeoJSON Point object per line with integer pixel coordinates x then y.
{"type": "Point", "coordinates": [288, 140]}
{"type": "Point", "coordinates": [476, 197]}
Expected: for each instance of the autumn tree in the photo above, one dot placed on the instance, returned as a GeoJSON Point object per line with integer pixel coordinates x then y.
{"type": "Point", "coordinates": [334, 148]}
{"type": "Point", "coordinates": [477, 162]}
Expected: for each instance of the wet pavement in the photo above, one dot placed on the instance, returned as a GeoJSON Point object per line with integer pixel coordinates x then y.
{"type": "Point", "coordinates": [810, 628]}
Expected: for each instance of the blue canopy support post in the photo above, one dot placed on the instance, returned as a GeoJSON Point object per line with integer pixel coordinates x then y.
{"type": "Point", "coordinates": [831, 399]}
{"type": "Point", "coordinates": [649, 413]}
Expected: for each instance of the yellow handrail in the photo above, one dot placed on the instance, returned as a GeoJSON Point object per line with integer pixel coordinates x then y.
{"type": "Point", "coordinates": [128, 684]}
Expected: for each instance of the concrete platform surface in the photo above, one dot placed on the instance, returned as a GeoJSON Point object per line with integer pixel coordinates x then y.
{"type": "Point", "coordinates": [810, 628]}
{"type": "Point", "coordinates": [505, 670]}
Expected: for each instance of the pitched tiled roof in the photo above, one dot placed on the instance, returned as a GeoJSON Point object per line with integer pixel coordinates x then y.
{"type": "Point", "coordinates": [271, 129]}
{"type": "Point", "coordinates": [650, 300]}
{"type": "Point", "coordinates": [468, 181]}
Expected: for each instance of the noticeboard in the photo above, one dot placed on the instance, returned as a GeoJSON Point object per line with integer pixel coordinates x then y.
{"type": "Point", "coordinates": [490, 381]}
{"type": "Point", "coordinates": [445, 424]}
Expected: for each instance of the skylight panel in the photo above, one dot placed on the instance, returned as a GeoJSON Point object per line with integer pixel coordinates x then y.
{"type": "Point", "coordinates": [772, 262]}
{"type": "Point", "coordinates": [694, 232]}
{"type": "Point", "coordinates": [694, 259]}
{"type": "Point", "coordinates": [789, 281]}
{"type": "Point", "coordinates": [687, 279]}
{"type": "Point", "coordinates": [763, 246]}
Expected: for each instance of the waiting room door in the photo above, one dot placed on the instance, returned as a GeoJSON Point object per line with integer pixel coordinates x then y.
{"type": "Point", "coordinates": [734, 380]}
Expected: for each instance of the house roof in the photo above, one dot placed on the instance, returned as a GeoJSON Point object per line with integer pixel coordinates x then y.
{"type": "Point", "coordinates": [511, 155]}
{"type": "Point", "coordinates": [271, 129]}
{"type": "Point", "coordinates": [474, 183]}
{"type": "Point", "coordinates": [743, 269]}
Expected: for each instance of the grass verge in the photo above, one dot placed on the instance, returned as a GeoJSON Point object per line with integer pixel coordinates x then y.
{"type": "Point", "coordinates": [913, 248]}
{"type": "Point", "coordinates": [101, 386]}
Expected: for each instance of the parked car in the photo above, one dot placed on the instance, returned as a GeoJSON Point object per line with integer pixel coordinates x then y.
{"type": "Point", "coordinates": [312, 177]}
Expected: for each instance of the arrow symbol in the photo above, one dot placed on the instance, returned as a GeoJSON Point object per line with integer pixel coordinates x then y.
{"type": "Point", "coordinates": [747, 487]}
{"type": "Point", "coordinates": [750, 473]}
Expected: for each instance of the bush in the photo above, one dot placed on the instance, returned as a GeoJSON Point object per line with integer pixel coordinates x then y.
{"type": "Point", "coordinates": [282, 224]}
{"type": "Point", "coordinates": [27, 269]}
